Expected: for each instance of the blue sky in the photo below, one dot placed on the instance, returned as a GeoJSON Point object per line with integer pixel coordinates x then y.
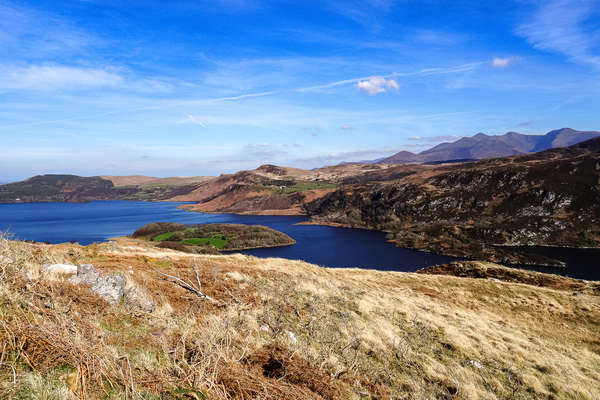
{"type": "Point", "coordinates": [207, 87]}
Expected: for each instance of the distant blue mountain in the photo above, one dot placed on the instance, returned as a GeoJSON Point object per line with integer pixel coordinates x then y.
{"type": "Point", "coordinates": [489, 146]}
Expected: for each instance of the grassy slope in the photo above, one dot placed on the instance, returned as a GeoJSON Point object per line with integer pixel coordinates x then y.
{"type": "Point", "coordinates": [356, 333]}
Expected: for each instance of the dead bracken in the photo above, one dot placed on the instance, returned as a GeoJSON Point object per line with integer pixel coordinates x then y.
{"type": "Point", "coordinates": [280, 329]}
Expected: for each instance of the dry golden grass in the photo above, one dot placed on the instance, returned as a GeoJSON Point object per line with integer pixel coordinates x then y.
{"type": "Point", "coordinates": [281, 329]}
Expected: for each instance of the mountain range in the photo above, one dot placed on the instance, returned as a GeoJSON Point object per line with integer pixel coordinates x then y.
{"type": "Point", "coordinates": [460, 209]}
{"type": "Point", "coordinates": [483, 146]}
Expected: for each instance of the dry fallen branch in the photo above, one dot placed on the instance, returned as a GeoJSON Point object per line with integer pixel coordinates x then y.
{"type": "Point", "coordinates": [197, 290]}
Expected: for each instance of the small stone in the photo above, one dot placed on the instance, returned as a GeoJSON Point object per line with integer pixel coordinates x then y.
{"type": "Point", "coordinates": [292, 337]}
{"type": "Point", "coordinates": [148, 306]}
{"type": "Point", "coordinates": [476, 364]}
{"type": "Point", "coordinates": [265, 328]}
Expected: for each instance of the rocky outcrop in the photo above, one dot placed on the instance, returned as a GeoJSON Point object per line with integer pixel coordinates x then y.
{"type": "Point", "coordinates": [113, 288]}
{"type": "Point", "coordinates": [551, 198]}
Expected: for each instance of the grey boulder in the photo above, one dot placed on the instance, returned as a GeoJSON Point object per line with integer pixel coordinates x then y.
{"type": "Point", "coordinates": [112, 288]}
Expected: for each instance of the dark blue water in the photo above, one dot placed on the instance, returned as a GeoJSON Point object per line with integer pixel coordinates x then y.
{"type": "Point", "coordinates": [580, 263]}
{"type": "Point", "coordinates": [99, 220]}
{"type": "Point", "coordinates": [323, 245]}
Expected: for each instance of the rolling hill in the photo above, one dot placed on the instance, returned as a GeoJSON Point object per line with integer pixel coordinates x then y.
{"type": "Point", "coordinates": [73, 188]}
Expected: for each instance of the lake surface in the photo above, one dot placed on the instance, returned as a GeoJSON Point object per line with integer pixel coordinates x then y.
{"type": "Point", "coordinates": [323, 245]}
{"type": "Point", "coordinates": [99, 220]}
{"type": "Point", "coordinates": [580, 263]}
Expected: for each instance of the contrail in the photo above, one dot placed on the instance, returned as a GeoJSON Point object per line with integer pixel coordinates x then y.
{"type": "Point", "coordinates": [421, 72]}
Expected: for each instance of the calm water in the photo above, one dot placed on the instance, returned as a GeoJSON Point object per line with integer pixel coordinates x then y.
{"type": "Point", "coordinates": [580, 263]}
{"type": "Point", "coordinates": [100, 220]}
{"type": "Point", "coordinates": [322, 245]}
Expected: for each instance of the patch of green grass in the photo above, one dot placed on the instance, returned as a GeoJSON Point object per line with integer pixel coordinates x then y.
{"type": "Point", "coordinates": [217, 241]}
{"type": "Point", "coordinates": [302, 186]}
{"type": "Point", "coordinates": [164, 236]}
{"type": "Point", "coordinates": [181, 393]}
{"type": "Point", "coordinates": [163, 264]}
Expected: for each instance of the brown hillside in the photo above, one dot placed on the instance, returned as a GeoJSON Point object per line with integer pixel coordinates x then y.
{"type": "Point", "coordinates": [279, 329]}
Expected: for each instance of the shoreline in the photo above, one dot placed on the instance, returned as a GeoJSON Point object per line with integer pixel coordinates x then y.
{"type": "Point", "coordinates": [559, 264]}
{"type": "Point", "coordinates": [514, 264]}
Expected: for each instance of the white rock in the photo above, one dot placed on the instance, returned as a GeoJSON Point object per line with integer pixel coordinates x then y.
{"type": "Point", "coordinates": [265, 328]}
{"type": "Point", "coordinates": [5, 260]}
{"type": "Point", "coordinates": [292, 337]}
{"type": "Point", "coordinates": [476, 364]}
{"type": "Point", "coordinates": [59, 269]}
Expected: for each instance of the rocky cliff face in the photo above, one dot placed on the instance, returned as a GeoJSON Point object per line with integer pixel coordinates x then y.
{"type": "Point", "coordinates": [552, 198]}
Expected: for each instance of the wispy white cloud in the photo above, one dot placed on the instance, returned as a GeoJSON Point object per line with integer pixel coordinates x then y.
{"type": "Point", "coordinates": [434, 139]}
{"type": "Point", "coordinates": [362, 11]}
{"type": "Point", "coordinates": [337, 157]}
{"type": "Point", "coordinates": [190, 119]}
{"type": "Point", "coordinates": [30, 33]}
{"type": "Point", "coordinates": [28, 77]}
{"type": "Point", "coordinates": [560, 26]}
{"type": "Point", "coordinates": [438, 37]}
{"type": "Point", "coordinates": [377, 84]}
{"type": "Point", "coordinates": [56, 77]}
{"type": "Point", "coordinates": [502, 62]}
{"type": "Point", "coordinates": [53, 77]}
{"type": "Point", "coordinates": [243, 96]}
{"type": "Point", "coordinates": [421, 72]}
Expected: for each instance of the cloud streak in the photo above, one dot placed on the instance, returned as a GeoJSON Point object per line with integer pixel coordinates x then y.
{"type": "Point", "coordinates": [190, 119]}
{"type": "Point", "coordinates": [558, 26]}
{"type": "Point", "coordinates": [48, 78]}
{"type": "Point", "coordinates": [421, 72]}
{"type": "Point", "coordinates": [31, 78]}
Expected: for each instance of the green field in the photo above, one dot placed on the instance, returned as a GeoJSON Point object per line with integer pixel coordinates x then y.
{"type": "Point", "coordinates": [216, 241]}
{"type": "Point", "coordinates": [164, 236]}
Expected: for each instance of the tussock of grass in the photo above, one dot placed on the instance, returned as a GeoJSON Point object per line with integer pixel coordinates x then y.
{"type": "Point", "coordinates": [281, 329]}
